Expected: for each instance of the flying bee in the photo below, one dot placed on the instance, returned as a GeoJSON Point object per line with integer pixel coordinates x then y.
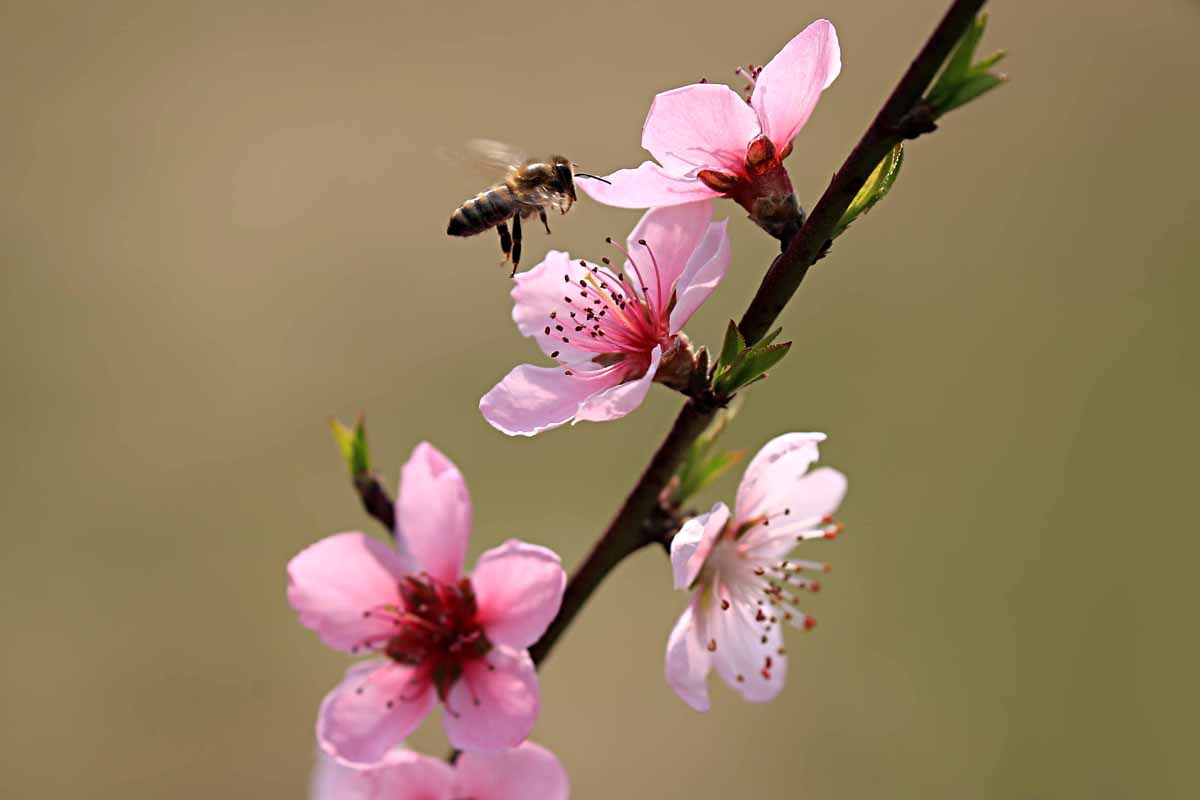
{"type": "Point", "coordinates": [530, 186]}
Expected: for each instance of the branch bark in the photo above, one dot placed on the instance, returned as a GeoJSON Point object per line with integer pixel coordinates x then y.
{"type": "Point", "coordinates": [630, 529]}
{"type": "Point", "coordinates": [626, 532]}
{"type": "Point", "coordinates": [897, 120]}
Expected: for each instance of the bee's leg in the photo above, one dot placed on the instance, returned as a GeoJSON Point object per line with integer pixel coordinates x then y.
{"type": "Point", "coordinates": [516, 243]}
{"type": "Point", "coordinates": [505, 241]}
{"type": "Point", "coordinates": [542, 214]}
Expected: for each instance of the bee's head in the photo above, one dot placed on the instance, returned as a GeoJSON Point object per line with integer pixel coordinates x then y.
{"type": "Point", "coordinates": [564, 176]}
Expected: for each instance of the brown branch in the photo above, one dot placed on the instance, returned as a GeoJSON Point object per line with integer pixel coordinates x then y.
{"type": "Point", "coordinates": [903, 116]}
{"type": "Point", "coordinates": [627, 532]}
{"type": "Point", "coordinates": [900, 118]}
{"type": "Point", "coordinates": [376, 501]}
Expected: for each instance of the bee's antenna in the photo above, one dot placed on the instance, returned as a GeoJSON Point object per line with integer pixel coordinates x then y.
{"type": "Point", "coordinates": [593, 177]}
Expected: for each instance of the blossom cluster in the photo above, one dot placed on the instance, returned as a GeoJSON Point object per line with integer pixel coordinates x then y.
{"type": "Point", "coordinates": [435, 634]}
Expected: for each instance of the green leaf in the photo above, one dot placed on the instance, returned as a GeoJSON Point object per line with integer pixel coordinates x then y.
{"type": "Point", "coordinates": [353, 444]}
{"type": "Point", "coordinates": [963, 79]}
{"type": "Point", "coordinates": [750, 366]}
{"type": "Point", "coordinates": [731, 348]}
{"type": "Point", "coordinates": [700, 467]}
{"type": "Point", "coordinates": [972, 88]}
{"type": "Point", "coordinates": [878, 184]}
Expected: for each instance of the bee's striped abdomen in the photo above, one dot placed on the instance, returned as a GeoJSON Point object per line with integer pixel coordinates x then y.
{"type": "Point", "coordinates": [484, 210]}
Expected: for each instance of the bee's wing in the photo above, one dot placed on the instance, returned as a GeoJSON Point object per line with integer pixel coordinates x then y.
{"type": "Point", "coordinates": [490, 159]}
{"type": "Point", "coordinates": [497, 156]}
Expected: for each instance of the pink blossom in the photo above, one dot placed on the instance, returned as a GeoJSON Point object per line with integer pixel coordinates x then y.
{"type": "Point", "coordinates": [612, 333]}
{"type": "Point", "coordinates": [743, 584]}
{"type": "Point", "coordinates": [710, 142]}
{"type": "Point", "coordinates": [528, 772]}
{"type": "Point", "coordinates": [443, 636]}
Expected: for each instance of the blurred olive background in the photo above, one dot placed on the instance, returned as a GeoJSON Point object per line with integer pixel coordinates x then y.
{"type": "Point", "coordinates": [223, 223]}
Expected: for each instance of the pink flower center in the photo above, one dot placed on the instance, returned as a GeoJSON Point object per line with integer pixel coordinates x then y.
{"type": "Point", "coordinates": [613, 313]}
{"type": "Point", "coordinates": [436, 629]}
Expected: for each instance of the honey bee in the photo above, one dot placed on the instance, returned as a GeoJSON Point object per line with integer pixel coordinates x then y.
{"type": "Point", "coordinates": [529, 186]}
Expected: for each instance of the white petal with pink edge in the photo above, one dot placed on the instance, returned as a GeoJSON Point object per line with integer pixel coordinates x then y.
{"type": "Point", "coordinates": [433, 513]}
{"type": "Point", "coordinates": [747, 652]}
{"type": "Point", "coordinates": [800, 510]}
{"type": "Point", "coordinates": [774, 469]}
{"type": "Point", "coordinates": [789, 86]}
{"type": "Point", "coordinates": [646, 186]}
{"type": "Point", "coordinates": [518, 589]}
{"type": "Point", "coordinates": [494, 704]}
{"type": "Point", "coordinates": [333, 582]}
{"type": "Point", "coordinates": [705, 125]}
{"type": "Point", "coordinates": [692, 545]}
{"type": "Point", "coordinates": [687, 661]}
{"type": "Point", "coordinates": [375, 706]}
{"type": "Point", "coordinates": [528, 772]}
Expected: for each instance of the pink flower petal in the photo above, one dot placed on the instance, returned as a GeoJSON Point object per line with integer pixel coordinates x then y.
{"type": "Point", "coordinates": [532, 399]}
{"type": "Point", "coordinates": [433, 513]}
{"type": "Point", "coordinates": [790, 85]}
{"type": "Point", "coordinates": [412, 776]}
{"type": "Point", "coordinates": [494, 705]}
{"type": "Point", "coordinates": [645, 186]}
{"type": "Point", "coordinates": [807, 499]}
{"type": "Point", "coordinates": [705, 125]}
{"type": "Point", "coordinates": [528, 772]}
{"type": "Point", "coordinates": [704, 271]}
{"type": "Point", "coordinates": [402, 775]}
{"type": "Point", "coordinates": [672, 234]}
{"type": "Point", "coordinates": [539, 291]}
{"type": "Point", "coordinates": [617, 401]}
{"type": "Point", "coordinates": [518, 588]}
{"type": "Point", "coordinates": [687, 662]}
{"type": "Point", "coordinates": [747, 651]}
{"type": "Point", "coordinates": [333, 781]}
{"type": "Point", "coordinates": [331, 583]}
{"type": "Point", "coordinates": [773, 471]}
{"type": "Point", "coordinates": [375, 706]}
{"type": "Point", "coordinates": [691, 546]}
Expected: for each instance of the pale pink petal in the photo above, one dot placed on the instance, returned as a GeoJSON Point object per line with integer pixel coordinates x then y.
{"type": "Point", "coordinates": [797, 508]}
{"type": "Point", "coordinates": [779, 463]}
{"type": "Point", "coordinates": [646, 186]}
{"type": "Point", "coordinates": [528, 772]}
{"type": "Point", "coordinates": [789, 87]}
{"type": "Point", "coordinates": [705, 125]}
{"type": "Point", "coordinates": [687, 663]}
{"type": "Point", "coordinates": [617, 401]}
{"type": "Point", "coordinates": [402, 775]}
{"type": "Point", "coordinates": [672, 234]}
{"type": "Point", "coordinates": [494, 704]}
{"type": "Point", "coordinates": [747, 652]}
{"type": "Point", "coordinates": [540, 291]}
{"type": "Point", "coordinates": [705, 269]}
{"type": "Point", "coordinates": [518, 588]}
{"type": "Point", "coordinates": [433, 513]}
{"type": "Point", "coordinates": [333, 781]}
{"type": "Point", "coordinates": [693, 543]}
{"type": "Point", "coordinates": [333, 582]}
{"type": "Point", "coordinates": [412, 776]}
{"type": "Point", "coordinates": [372, 710]}
{"type": "Point", "coordinates": [532, 399]}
